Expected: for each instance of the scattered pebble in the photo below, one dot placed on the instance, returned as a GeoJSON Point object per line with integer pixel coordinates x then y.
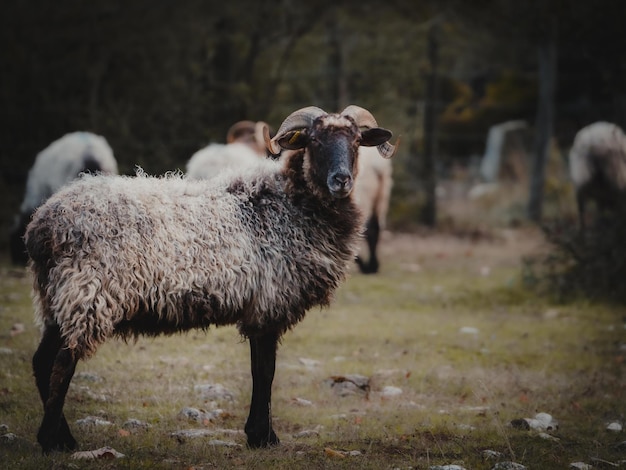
{"type": "Point", "coordinates": [389, 391]}
{"type": "Point", "coordinates": [350, 384]}
{"type": "Point", "coordinates": [8, 437]}
{"type": "Point", "coordinates": [108, 453]}
{"type": "Point", "coordinates": [614, 427]}
{"type": "Point", "coordinates": [508, 466]}
{"type": "Point", "coordinates": [492, 454]}
{"type": "Point", "coordinates": [6, 351]}
{"type": "Point", "coordinates": [468, 330]}
{"type": "Point", "coordinates": [214, 392]}
{"type": "Point", "coordinates": [580, 466]}
{"type": "Point", "coordinates": [4, 428]}
{"type": "Point", "coordinates": [200, 416]}
{"type": "Point", "coordinates": [541, 422]}
{"type": "Point", "coordinates": [301, 402]}
{"type": "Point", "coordinates": [93, 421]}
{"type": "Point", "coordinates": [132, 423]}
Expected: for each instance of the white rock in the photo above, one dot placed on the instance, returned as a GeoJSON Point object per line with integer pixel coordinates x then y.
{"type": "Point", "coordinates": [614, 427]}
{"type": "Point", "coordinates": [302, 401]}
{"type": "Point", "coordinates": [468, 330]}
{"type": "Point", "coordinates": [389, 391]}
{"type": "Point", "coordinates": [508, 466]}
{"type": "Point", "coordinates": [93, 421]}
{"type": "Point", "coordinates": [580, 466]}
{"type": "Point", "coordinates": [446, 467]}
{"type": "Point", "coordinates": [101, 453]}
{"type": "Point", "coordinates": [491, 454]}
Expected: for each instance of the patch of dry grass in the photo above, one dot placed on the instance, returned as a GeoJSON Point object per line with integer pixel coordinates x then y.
{"type": "Point", "coordinates": [402, 328]}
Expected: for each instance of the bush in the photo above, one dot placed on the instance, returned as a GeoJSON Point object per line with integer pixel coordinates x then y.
{"type": "Point", "coordinates": [590, 264]}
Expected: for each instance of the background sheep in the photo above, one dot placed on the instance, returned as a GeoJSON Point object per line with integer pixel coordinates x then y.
{"type": "Point", "coordinates": [245, 145]}
{"type": "Point", "coordinates": [59, 163]}
{"type": "Point", "coordinates": [597, 163]}
{"type": "Point", "coordinates": [119, 256]}
{"type": "Point", "coordinates": [372, 191]}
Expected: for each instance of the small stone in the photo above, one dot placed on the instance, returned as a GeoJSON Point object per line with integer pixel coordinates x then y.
{"type": "Point", "coordinates": [93, 421]}
{"type": "Point", "coordinates": [580, 466]}
{"type": "Point", "coordinates": [8, 437]}
{"type": "Point", "coordinates": [491, 454]}
{"type": "Point", "coordinates": [301, 402]}
{"type": "Point", "coordinates": [508, 466]}
{"type": "Point", "coordinates": [614, 427]}
{"type": "Point", "coordinates": [102, 453]}
{"type": "Point", "coordinates": [389, 391]}
{"type": "Point", "coordinates": [468, 330]}
{"type": "Point", "coordinates": [133, 423]}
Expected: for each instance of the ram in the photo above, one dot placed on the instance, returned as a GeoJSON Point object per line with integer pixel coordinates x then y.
{"type": "Point", "coordinates": [58, 164]}
{"type": "Point", "coordinates": [257, 248]}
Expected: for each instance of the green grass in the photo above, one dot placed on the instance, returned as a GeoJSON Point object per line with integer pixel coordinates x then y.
{"type": "Point", "coordinates": [401, 328]}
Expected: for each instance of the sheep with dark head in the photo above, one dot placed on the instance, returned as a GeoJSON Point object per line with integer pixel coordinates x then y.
{"type": "Point", "coordinates": [56, 165]}
{"type": "Point", "coordinates": [119, 256]}
{"type": "Point", "coordinates": [597, 163]}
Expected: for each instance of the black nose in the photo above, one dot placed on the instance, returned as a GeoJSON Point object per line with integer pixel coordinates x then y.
{"type": "Point", "coordinates": [342, 180]}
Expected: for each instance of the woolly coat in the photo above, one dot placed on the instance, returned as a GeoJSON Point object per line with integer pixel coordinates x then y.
{"type": "Point", "coordinates": [124, 256]}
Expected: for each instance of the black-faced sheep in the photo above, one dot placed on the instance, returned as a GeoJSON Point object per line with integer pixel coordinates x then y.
{"type": "Point", "coordinates": [597, 163]}
{"type": "Point", "coordinates": [119, 256]}
{"type": "Point", "coordinates": [372, 191]}
{"type": "Point", "coordinates": [58, 164]}
{"type": "Point", "coordinates": [244, 146]}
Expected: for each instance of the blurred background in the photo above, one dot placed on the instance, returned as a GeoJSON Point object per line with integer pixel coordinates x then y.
{"type": "Point", "coordinates": [161, 79]}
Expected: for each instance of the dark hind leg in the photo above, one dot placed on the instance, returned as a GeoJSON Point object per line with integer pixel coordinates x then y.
{"type": "Point", "coordinates": [372, 233]}
{"type": "Point", "coordinates": [263, 361]}
{"type": "Point", "coordinates": [53, 368]}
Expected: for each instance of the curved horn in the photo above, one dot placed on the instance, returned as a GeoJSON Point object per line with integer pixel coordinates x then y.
{"type": "Point", "coordinates": [300, 119]}
{"type": "Point", "coordinates": [364, 118]}
{"type": "Point", "coordinates": [259, 137]}
{"type": "Point", "coordinates": [238, 129]}
{"type": "Point", "coordinates": [361, 116]}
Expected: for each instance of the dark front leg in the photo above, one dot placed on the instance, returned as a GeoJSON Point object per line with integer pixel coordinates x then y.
{"type": "Point", "coordinates": [263, 363]}
{"type": "Point", "coordinates": [54, 433]}
{"type": "Point", "coordinates": [372, 233]}
{"type": "Point", "coordinates": [43, 363]}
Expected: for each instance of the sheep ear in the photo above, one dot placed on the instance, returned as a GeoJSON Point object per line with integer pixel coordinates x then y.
{"type": "Point", "coordinates": [378, 137]}
{"type": "Point", "coordinates": [293, 140]}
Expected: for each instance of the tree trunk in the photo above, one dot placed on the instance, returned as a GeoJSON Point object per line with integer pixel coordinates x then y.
{"type": "Point", "coordinates": [543, 125]}
{"type": "Point", "coordinates": [429, 176]}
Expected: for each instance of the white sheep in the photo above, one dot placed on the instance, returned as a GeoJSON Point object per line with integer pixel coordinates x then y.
{"type": "Point", "coordinates": [56, 165]}
{"type": "Point", "coordinates": [597, 164]}
{"type": "Point", "coordinates": [244, 146]}
{"type": "Point", "coordinates": [372, 191]}
{"type": "Point", "coordinates": [258, 247]}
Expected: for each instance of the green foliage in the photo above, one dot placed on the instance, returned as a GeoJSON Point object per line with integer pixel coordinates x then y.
{"type": "Point", "coordinates": [582, 264]}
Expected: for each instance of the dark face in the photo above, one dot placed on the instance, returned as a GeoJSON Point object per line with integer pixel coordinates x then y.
{"type": "Point", "coordinates": [333, 146]}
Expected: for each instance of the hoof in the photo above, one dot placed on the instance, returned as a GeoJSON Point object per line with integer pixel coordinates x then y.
{"type": "Point", "coordinates": [258, 441]}
{"type": "Point", "coordinates": [59, 443]}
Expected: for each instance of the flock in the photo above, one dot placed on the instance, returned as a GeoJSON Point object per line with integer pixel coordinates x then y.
{"type": "Point", "coordinates": [256, 232]}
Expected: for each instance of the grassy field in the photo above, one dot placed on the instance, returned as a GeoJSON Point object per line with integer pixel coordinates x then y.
{"type": "Point", "coordinates": [452, 344]}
